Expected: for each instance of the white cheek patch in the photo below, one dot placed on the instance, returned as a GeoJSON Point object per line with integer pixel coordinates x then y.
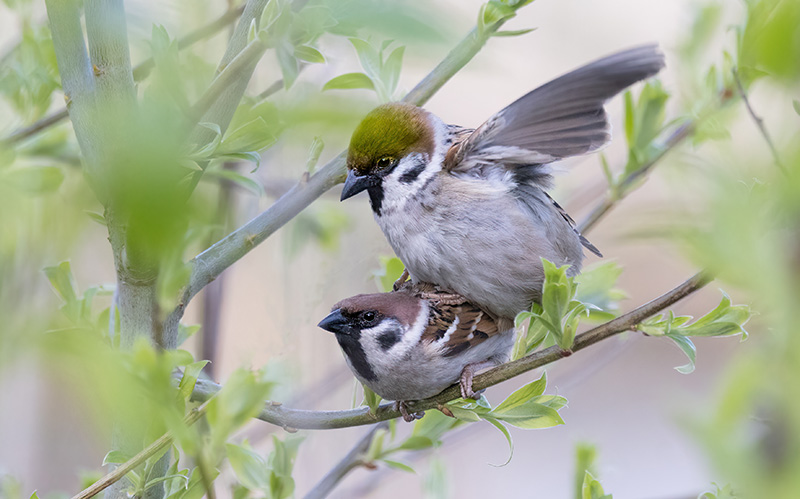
{"type": "Point", "coordinates": [415, 171]}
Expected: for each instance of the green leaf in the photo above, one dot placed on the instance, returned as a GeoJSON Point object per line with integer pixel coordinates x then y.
{"type": "Point", "coordinates": [686, 345]}
{"type": "Point", "coordinates": [371, 399]}
{"type": "Point", "coordinates": [251, 469]}
{"type": "Point", "coordinates": [309, 54]}
{"type": "Point", "coordinates": [523, 395]}
{"type": "Point", "coordinates": [796, 106]}
{"type": "Point", "coordinates": [288, 63]}
{"type": "Point", "coordinates": [255, 135]}
{"type": "Point", "coordinates": [516, 32]}
{"type": "Point", "coordinates": [186, 332]}
{"type": "Point", "coordinates": [238, 179]}
{"type": "Point", "coordinates": [115, 457]}
{"type": "Point", "coordinates": [208, 149]}
{"type": "Point", "coordinates": [348, 81]}
{"type": "Point", "coordinates": [464, 414]}
{"type": "Point", "coordinates": [189, 378]}
{"type": "Point", "coordinates": [500, 426]}
{"type": "Point", "coordinates": [166, 478]}
{"type": "Point", "coordinates": [530, 416]}
{"type": "Point", "coordinates": [416, 442]}
{"type": "Point", "coordinates": [390, 72]}
{"type": "Point", "coordinates": [314, 152]}
{"type": "Point", "coordinates": [34, 179]}
{"type": "Point", "coordinates": [63, 283]}
{"type": "Point", "coordinates": [592, 489]}
{"type": "Point", "coordinates": [398, 466]}
{"type": "Point", "coordinates": [369, 57]}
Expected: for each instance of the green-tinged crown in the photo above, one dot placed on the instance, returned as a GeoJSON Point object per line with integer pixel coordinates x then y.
{"type": "Point", "coordinates": [390, 131]}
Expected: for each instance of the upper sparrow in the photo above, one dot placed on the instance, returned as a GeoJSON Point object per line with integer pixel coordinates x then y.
{"type": "Point", "coordinates": [413, 343]}
{"type": "Point", "coordinates": [467, 209]}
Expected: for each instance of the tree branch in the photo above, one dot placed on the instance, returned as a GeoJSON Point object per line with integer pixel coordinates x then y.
{"type": "Point", "coordinates": [292, 419]}
{"type": "Point", "coordinates": [75, 70]}
{"type": "Point", "coordinates": [140, 72]}
{"type": "Point", "coordinates": [213, 261]}
{"type": "Point", "coordinates": [348, 463]}
{"type": "Point", "coordinates": [759, 123]}
{"type": "Point", "coordinates": [319, 420]}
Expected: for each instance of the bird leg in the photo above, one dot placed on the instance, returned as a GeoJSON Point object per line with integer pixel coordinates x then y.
{"type": "Point", "coordinates": [466, 378]}
{"type": "Point", "coordinates": [399, 282]}
{"type": "Point", "coordinates": [402, 407]}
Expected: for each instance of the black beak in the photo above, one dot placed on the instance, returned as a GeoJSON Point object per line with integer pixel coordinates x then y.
{"type": "Point", "coordinates": [335, 322]}
{"type": "Point", "coordinates": [355, 184]}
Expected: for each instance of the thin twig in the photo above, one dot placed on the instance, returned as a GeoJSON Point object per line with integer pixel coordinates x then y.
{"type": "Point", "coordinates": [624, 188]}
{"type": "Point", "coordinates": [130, 465]}
{"type": "Point", "coordinates": [244, 62]}
{"type": "Point", "coordinates": [140, 72]}
{"type": "Point", "coordinates": [349, 462]}
{"type": "Point", "coordinates": [759, 122]}
{"type": "Point", "coordinates": [290, 418]}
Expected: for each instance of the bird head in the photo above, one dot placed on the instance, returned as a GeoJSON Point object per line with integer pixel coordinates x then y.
{"type": "Point", "coordinates": [392, 140]}
{"type": "Point", "coordinates": [367, 327]}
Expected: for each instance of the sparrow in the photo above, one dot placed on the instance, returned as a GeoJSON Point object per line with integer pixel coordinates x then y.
{"type": "Point", "coordinates": [414, 342]}
{"type": "Point", "coordinates": [468, 209]}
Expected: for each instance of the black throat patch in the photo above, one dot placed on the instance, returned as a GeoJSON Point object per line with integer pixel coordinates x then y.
{"type": "Point", "coordinates": [351, 346]}
{"type": "Point", "coordinates": [376, 198]}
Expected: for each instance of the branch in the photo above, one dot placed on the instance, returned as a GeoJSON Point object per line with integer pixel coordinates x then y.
{"type": "Point", "coordinates": [319, 420]}
{"type": "Point", "coordinates": [349, 462]}
{"type": "Point", "coordinates": [212, 262]}
{"type": "Point", "coordinates": [74, 68]}
{"type": "Point", "coordinates": [292, 419]}
{"type": "Point", "coordinates": [759, 123]}
{"type": "Point", "coordinates": [140, 72]}
{"type": "Point", "coordinates": [130, 465]}
{"type": "Point", "coordinates": [624, 188]}
{"type": "Point", "coordinates": [107, 32]}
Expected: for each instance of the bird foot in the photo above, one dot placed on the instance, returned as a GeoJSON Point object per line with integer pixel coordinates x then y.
{"type": "Point", "coordinates": [465, 383]}
{"type": "Point", "coordinates": [400, 281]}
{"type": "Point", "coordinates": [402, 407]}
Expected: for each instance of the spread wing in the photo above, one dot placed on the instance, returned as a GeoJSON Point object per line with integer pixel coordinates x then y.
{"type": "Point", "coordinates": [562, 118]}
{"type": "Point", "coordinates": [458, 327]}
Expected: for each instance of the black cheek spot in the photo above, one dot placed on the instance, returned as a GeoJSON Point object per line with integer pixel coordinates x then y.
{"type": "Point", "coordinates": [415, 171]}
{"type": "Point", "coordinates": [388, 339]}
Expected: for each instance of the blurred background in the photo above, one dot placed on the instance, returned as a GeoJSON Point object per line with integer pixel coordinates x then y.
{"type": "Point", "coordinates": [649, 423]}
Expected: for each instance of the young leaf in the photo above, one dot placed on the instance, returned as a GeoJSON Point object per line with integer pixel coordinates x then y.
{"type": "Point", "coordinates": [517, 32]}
{"type": "Point", "coordinates": [371, 399]}
{"type": "Point", "coordinates": [189, 378]}
{"type": "Point", "coordinates": [390, 72]}
{"type": "Point", "coordinates": [592, 489]}
{"type": "Point", "coordinates": [524, 394]}
{"type": "Point", "coordinates": [251, 469]}
{"type": "Point", "coordinates": [369, 57]}
{"type": "Point", "coordinates": [255, 135]}
{"type": "Point", "coordinates": [238, 179]}
{"type": "Point", "coordinates": [115, 457]}
{"type": "Point", "coordinates": [348, 81]}
{"type": "Point", "coordinates": [500, 426]}
{"type": "Point", "coordinates": [398, 466]}
{"type": "Point", "coordinates": [308, 54]}
{"type": "Point", "coordinates": [687, 346]}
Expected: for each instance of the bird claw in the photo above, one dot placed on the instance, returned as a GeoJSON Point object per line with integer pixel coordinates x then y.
{"type": "Point", "coordinates": [465, 383]}
{"type": "Point", "coordinates": [402, 407]}
{"type": "Point", "coordinates": [401, 280]}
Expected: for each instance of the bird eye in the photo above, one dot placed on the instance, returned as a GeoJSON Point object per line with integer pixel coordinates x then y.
{"type": "Point", "coordinates": [369, 316]}
{"type": "Point", "coordinates": [385, 162]}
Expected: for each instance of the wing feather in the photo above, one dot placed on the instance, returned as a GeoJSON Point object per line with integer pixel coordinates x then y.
{"type": "Point", "coordinates": [562, 118]}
